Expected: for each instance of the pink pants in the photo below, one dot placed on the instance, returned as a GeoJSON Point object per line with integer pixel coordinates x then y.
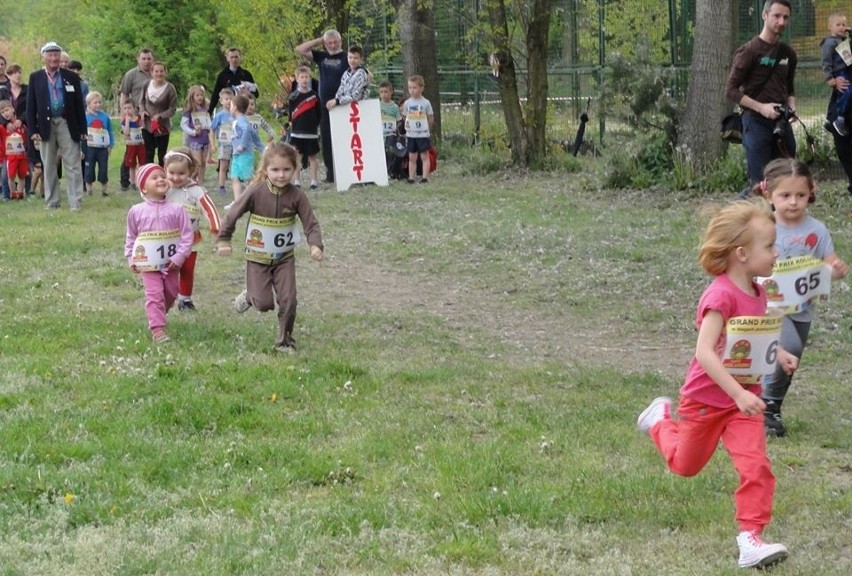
{"type": "Point", "coordinates": [689, 442]}
{"type": "Point", "coordinates": [161, 290]}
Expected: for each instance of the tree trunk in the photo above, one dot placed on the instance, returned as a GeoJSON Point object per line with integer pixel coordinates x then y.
{"type": "Point", "coordinates": [537, 88]}
{"type": "Point", "coordinates": [337, 13]}
{"type": "Point", "coordinates": [698, 131]}
{"type": "Point", "coordinates": [507, 82]}
{"type": "Point", "coordinates": [416, 22]}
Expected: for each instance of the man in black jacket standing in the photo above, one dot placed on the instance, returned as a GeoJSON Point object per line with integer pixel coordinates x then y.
{"type": "Point", "coordinates": [56, 119]}
{"type": "Point", "coordinates": [232, 76]}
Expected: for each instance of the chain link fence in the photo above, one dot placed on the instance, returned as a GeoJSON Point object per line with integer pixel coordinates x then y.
{"type": "Point", "coordinates": [584, 33]}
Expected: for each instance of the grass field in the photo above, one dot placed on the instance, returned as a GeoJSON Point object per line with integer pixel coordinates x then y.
{"type": "Point", "coordinates": [473, 354]}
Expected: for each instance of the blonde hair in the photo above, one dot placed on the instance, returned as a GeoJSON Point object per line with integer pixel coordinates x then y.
{"type": "Point", "coordinates": [275, 149]}
{"type": "Point", "coordinates": [182, 155]}
{"type": "Point", "coordinates": [190, 97]}
{"type": "Point", "coordinates": [92, 95]}
{"type": "Point", "coordinates": [835, 16]}
{"type": "Point", "coordinates": [417, 79]}
{"type": "Point", "coordinates": [729, 228]}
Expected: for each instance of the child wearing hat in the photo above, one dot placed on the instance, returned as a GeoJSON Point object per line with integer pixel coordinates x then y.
{"type": "Point", "coordinates": [158, 241]}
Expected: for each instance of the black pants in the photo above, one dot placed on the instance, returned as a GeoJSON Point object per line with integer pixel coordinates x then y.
{"type": "Point", "coordinates": [155, 145]}
{"type": "Point", "coordinates": [325, 141]}
{"type": "Point", "coordinates": [843, 149]}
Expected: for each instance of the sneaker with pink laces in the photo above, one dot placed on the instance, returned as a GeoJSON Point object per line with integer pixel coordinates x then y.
{"type": "Point", "coordinates": [659, 409]}
{"type": "Point", "coordinates": [755, 553]}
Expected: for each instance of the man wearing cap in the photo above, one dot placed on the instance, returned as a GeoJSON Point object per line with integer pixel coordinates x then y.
{"type": "Point", "coordinates": [132, 84]}
{"type": "Point", "coordinates": [56, 118]}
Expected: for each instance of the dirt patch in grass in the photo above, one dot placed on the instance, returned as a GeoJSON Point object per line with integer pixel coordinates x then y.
{"type": "Point", "coordinates": [348, 284]}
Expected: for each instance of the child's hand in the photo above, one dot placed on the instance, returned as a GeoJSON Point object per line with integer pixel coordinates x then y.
{"type": "Point", "coordinates": [223, 249]}
{"type": "Point", "coordinates": [316, 253]}
{"type": "Point", "coordinates": [134, 269]}
{"type": "Point", "coordinates": [839, 269]}
{"type": "Point", "coordinates": [788, 362]}
{"type": "Point", "coordinates": [749, 404]}
{"type": "Point", "coordinates": [171, 266]}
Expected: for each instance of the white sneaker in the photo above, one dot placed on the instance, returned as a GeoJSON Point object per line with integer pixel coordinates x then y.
{"type": "Point", "coordinates": [241, 304]}
{"type": "Point", "coordinates": [659, 409]}
{"type": "Point", "coordinates": [755, 553]}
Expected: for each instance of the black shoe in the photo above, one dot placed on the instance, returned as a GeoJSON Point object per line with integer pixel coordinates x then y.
{"type": "Point", "coordinates": [411, 181]}
{"type": "Point", "coordinates": [186, 305]}
{"type": "Point", "coordinates": [773, 425]}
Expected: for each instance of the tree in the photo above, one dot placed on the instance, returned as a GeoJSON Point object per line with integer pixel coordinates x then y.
{"type": "Point", "coordinates": [416, 22]}
{"type": "Point", "coordinates": [525, 123]}
{"type": "Point", "coordinates": [698, 132]}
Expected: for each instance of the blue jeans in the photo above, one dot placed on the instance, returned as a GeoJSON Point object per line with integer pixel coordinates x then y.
{"type": "Point", "coordinates": [96, 157]}
{"type": "Point", "coordinates": [843, 99]}
{"type": "Point", "coordinates": [762, 146]}
{"type": "Point", "coordinates": [4, 181]}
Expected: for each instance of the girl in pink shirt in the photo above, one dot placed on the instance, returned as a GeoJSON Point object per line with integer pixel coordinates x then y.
{"type": "Point", "coordinates": [716, 404]}
{"type": "Point", "coordinates": [158, 241]}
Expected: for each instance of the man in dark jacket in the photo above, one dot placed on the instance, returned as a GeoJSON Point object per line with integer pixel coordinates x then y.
{"type": "Point", "coordinates": [56, 119]}
{"type": "Point", "coordinates": [232, 76]}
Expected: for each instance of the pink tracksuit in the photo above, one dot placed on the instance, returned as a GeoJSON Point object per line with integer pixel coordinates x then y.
{"type": "Point", "coordinates": [161, 286]}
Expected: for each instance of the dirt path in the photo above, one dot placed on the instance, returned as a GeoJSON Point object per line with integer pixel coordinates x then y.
{"type": "Point", "coordinates": [346, 284]}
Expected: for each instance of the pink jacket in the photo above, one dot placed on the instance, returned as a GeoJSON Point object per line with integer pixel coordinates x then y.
{"type": "Point", "coordinates": [154, 216]}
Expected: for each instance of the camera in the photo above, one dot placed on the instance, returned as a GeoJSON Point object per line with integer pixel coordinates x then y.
{"type": "Point", "coordinates": [786, 114]}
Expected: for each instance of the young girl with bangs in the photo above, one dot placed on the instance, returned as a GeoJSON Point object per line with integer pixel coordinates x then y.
{"type": "Point", "coordinates": [272, 234]}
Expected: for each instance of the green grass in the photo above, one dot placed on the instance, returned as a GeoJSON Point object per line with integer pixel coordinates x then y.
{"type": "Point", "coordinates": [472, 357]}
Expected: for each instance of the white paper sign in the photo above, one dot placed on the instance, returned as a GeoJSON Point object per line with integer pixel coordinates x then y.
{"type": "Point", "coordinates": [796, 283]}
{"type": "Point", "coordinates": [358, 144]}
{"type": "Point", "coordinates": [751, 346]}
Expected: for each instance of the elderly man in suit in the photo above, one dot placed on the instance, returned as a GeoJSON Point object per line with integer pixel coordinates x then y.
{"type": "Point", "coordinates": [56, 118]}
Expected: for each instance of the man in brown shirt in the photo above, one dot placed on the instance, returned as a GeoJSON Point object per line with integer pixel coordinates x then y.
{"type": "Point", "coordinates": [761, 82]}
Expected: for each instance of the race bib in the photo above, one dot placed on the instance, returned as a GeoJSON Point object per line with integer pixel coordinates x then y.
{"type": "Point", "coordinates": [201, 120]}
{"type": "Point", "coordinates": [15, 144]}
{"type": "Point", "coordinates": [751, 347]}
{"type": "Point", "coordinates": [796, 283]}
{"type": "Point", "coordinates": [255, 121]}
{"type": "Point", "coordinates": [194, 213]}
{"type": "Point", "coordinates": [388, 127]}
{"type": "Point", "coordinates": [134, 136]}
{"type": "Point", "coordinates": [152, 250]}
{"type": "Point", "coordinates": [98, 138]}
{"type": "Point", "coordinates": [226, 133]}
{"type": "Point", "coordinates": [270, 239]}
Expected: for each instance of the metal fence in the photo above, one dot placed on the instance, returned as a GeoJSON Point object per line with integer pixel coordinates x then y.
{"type": "Point", "coordinates": [583, 34]}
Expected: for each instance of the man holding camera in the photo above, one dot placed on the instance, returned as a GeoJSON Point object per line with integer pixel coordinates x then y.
{"type": "Point", "coordinates": [761, 82]}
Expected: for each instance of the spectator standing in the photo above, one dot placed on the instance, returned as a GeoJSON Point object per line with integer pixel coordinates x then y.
{"type": "Point", "coordinates": [355, 82]}
{"type": "Point", "coordinates": [232, 76]}
{"type": "Point", "coordinates": [77, 67]}
{"type": "Point", "coordinates": [332, 64]}
{"type": "Point", "coordinates": [132, 83]}
{"type": "Point", "coordinates": [304, 113]}
{"type": "Point", "coordinates": [159, 104]}
{"type": "Point", "coordinates": [761, 82]}
{"type": "Point", "coordinates": [5, 83]}
{"type": "Point", "coordinates": [100, 142]}
{"type": "Point", "coordinates": [56, 119]}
